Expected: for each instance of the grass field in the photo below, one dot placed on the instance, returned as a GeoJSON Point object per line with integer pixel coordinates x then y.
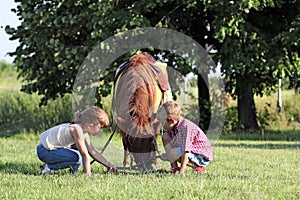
{"type": "Point", "coordinates": [241, 169]}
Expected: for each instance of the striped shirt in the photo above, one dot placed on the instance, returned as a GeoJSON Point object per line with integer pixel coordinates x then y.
{"type": "Point", "coordinates": [190, 138]}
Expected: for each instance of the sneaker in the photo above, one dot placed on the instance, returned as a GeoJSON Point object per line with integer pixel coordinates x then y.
{"type": "Point", "coordinates": [45, 169]}
{"type": "Point", "coordinates": [72, 170]}
{"type": "Point", "coordinates": [175, 170]}
{"type": "Point", "coordinates": [200, 169]}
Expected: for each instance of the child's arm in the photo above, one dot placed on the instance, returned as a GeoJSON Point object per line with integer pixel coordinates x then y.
{"type": "Point", "coordinates": [184, 162]}
{"type": "Point", "coordinates": [80, 144]}
{"type": "Point", "coordinates": [97, 156]}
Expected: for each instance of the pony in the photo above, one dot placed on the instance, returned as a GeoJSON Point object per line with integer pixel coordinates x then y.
{"type": "Point", "coordinates": [141, 86]}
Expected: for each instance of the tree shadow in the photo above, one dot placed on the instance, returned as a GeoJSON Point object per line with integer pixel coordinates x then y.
{"type": "Point", "coordinates": [137, 172]}
{"type": "Point", "coordinates": [20, 168]}
{"type": "Point", "coordinates": [287, 135]}
{"type": "Point", "coordinates": [260, 146]}
{"type": "Point", "coordinates": [34, 170]}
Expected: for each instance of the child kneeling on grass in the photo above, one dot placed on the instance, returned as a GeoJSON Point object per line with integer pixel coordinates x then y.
{"type": "Point", "coordinates": [68, 145]}
{"type": "Point", "coordinates": [184, 141]}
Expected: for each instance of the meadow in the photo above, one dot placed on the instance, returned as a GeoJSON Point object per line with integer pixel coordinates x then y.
{"type": "Point", "coordinates": [245, 166]}
{"type": "Point", "coordinates": [241, 169]}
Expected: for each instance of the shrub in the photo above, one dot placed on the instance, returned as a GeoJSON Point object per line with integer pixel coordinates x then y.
{"type": "Point", "coordinates": [21, 112]}
{"type": "Point", "coordinates": [231, 121]}
{"type": "Point", "coordinates": [291, 108]}
{"type": "Point", "coordinates": [263, 117]}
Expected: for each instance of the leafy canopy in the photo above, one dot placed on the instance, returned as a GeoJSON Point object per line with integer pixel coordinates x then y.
{"type": "Point", "coordinates": [254, 39]}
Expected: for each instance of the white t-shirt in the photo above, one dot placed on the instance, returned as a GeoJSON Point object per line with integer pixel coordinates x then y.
{"type": "Point", "coordinates": [59, 136]}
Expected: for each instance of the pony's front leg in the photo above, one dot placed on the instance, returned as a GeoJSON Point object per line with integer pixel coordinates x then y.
{"type": "Point", "coordinates": [126, 159]}
{"type": "Point", "coordinates": [157, 126]}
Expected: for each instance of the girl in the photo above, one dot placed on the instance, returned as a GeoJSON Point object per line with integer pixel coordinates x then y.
{"type": "Point", "coordinates": [56, 147]}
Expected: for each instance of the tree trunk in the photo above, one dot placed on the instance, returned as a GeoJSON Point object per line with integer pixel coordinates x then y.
{"type": "Point", "coordinates": [246, 106]}
{"type": "Point", "coordinates": [279, 100]}
{"type": "Point", "coordinates": [203, 102]}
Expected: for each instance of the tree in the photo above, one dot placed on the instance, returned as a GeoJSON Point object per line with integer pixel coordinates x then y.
{"type": "Point", "coordinates": [56, 36]}
{"type": "Point", "coordinates": [252, 38]}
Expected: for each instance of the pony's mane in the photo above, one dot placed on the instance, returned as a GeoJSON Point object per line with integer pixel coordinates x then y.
{"type": "Point", "coordinates": [135, 96]}
{"type": "Point", "coordinates": [140, 60]}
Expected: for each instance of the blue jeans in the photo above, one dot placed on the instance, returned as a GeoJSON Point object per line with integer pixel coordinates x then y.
{"type": "Point", "coordinates": [197, 159]}
{"type": "Point", "coordinates": [60, 158]}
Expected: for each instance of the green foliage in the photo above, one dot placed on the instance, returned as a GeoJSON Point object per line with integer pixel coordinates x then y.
{"type": "Point", "coordinates": [264, 117]}
{"type": "Point", "coordinates": [5, 67]}
{"type": "Point", "coordinates": [253, 51]}
{"type": "Point", "coordinates": [20, 112]}
{"type": "Point", "coordinates": [190, 111]}
{"type": "Point", "coordinates": [231, 123]}
{"type": "Point", "coordinates": [289, 117]}
{"type": "Point", "coordinates": [269, 118]}
{"type": "Point", "coordinates": [292, 108]}
{"type": "Point", "coordinates": [55, 37]}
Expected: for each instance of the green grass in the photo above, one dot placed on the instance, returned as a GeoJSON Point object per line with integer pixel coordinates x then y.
{"type": "Point", "coordinates": [242, 169]}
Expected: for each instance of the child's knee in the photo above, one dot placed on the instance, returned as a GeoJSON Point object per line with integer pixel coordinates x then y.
{"type": "Point", "coordinates": [174, 153]}
{"type": "Point", "coordinates": [166, 138]}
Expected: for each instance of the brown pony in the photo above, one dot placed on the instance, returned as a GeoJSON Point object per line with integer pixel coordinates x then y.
{"type": "Point", "coordinates": [141, 86]}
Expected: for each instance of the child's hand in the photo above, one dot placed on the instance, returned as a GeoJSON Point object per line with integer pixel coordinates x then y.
{"type": "Point", "coordinates": [164, 157]}
{"type": "Point", "coordinates": [88, 174]}
{"type": "Point", "coordinates": [111, 169]}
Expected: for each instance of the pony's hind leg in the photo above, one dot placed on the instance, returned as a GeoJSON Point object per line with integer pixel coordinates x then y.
{"type": "Point", "coordinates": [126, 159]}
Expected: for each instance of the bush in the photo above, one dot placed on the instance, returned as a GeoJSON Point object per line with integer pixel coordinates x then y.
{"type": "Point", "coordinates": [6, 68]}
{"type": "Point", "coordinates": [231, 121]}
{"type": "Point", "coordinates": [291, 108]}
{"type": "Point", "coordinates": [20, 112]}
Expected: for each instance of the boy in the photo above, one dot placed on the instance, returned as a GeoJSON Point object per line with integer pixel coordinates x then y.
{"type": "Point", "coordinates": [183, 140]}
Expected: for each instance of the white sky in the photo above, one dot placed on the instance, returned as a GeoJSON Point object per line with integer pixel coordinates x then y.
{"type": "Point", "coordinates": [7, 18]}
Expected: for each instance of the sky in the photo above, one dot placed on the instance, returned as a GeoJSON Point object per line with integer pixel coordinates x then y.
{"type": "Point", "coordinates": [7, 18]}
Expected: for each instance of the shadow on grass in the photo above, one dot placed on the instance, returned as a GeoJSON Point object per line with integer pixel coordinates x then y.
{"type": "Point", "coordinates": [34, 170]}
{"type": "Point", "coordinates": [136, 172]}
{"type": "Point", "coordinates": [288, 135]}
{"type": "Point", "coordinates": [261, 145]}
{"type": "Point", "coordinates": [20, 168]}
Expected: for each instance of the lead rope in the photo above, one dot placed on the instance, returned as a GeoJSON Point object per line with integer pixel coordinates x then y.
{"type": "Point", "coordinates": [106, 144]}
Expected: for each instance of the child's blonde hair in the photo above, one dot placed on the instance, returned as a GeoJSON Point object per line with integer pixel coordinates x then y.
{"type": "Point", "coordinates": [169, 110]}
{"type": "Point", "coordinates": [92, 115]}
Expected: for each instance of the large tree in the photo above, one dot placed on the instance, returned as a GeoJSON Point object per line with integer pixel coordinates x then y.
{"type": "Point", "coordinates": [55, 37]}
{"type": "Point", "coordinates": [257, 38]}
